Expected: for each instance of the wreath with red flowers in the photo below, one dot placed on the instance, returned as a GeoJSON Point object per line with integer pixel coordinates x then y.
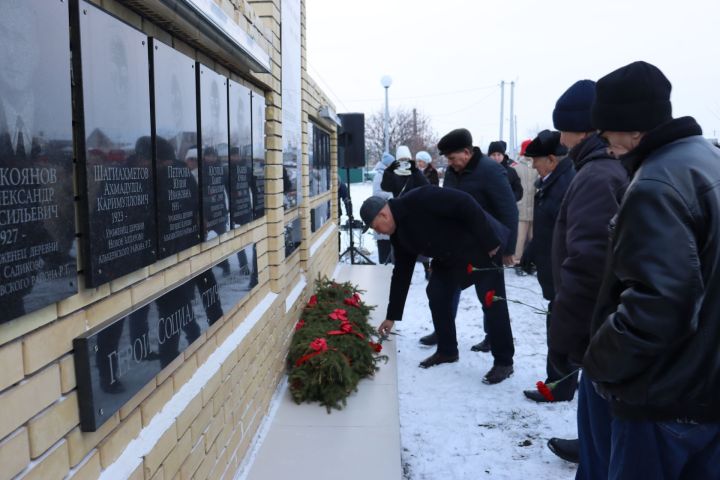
{"type": "Point", "coordinates": [333, 346]}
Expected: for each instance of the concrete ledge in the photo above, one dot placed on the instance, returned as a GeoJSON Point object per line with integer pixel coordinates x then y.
{"type": "Point", "coordinates": [359, 442]}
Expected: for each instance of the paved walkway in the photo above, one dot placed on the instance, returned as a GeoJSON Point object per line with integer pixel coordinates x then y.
{"type": "Point", "coordinates": [361, 441]}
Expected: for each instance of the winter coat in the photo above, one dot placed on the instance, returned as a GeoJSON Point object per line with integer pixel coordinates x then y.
{"type": "Point", "coordinates": [401, 184]}
{"type": "Point", "coordinates": [487, 182]}
{"type": "Point", "coordinates": [379, 192]}
{"type": "Point", "coordinates": [431, 175]}
{"type": "Point", "coordinates": [579, 244]}
{"type": "Point", "coordinates": [656, 329]}
{"type": "Point", "coordinates": [548, 197]}
{"type": "Point", "coordinates": [513, 177]}
{"type": "Point", "coordinates": [528, 177]}
{"type": "Point", "coordinates": [445, 224]}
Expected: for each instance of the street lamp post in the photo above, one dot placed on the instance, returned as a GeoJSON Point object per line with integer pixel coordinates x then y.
{"type": "Point", "coordinates": [386, 81]}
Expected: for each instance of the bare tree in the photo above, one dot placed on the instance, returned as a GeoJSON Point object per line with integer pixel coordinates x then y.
{"type": "Point", "coordinates": [405, 127]}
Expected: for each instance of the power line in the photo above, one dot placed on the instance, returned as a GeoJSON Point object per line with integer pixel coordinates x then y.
{"type": "Point", "coordinates": [466, 107]}
{"type": "Point", "coordinates": [429, 95]}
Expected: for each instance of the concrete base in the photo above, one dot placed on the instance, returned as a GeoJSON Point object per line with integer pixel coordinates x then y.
{"type": "Point", "coordinates": [362, 440]}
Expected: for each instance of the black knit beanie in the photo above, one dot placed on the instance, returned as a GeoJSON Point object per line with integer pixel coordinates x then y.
{"type": "Point", "coordinates": [497, 147]}
{"type": "Point", "coordinates": [572, 110]}
{"type": "Point", "coordinates": [634, 98]}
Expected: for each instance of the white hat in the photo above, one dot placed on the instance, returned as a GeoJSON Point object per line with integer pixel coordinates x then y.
{"type": "Point", "coordinates": [403, 153]}
{"type": "Point", "coordinates": [424, 156]}
{"type": "Point", "coordinates": [191, 153]}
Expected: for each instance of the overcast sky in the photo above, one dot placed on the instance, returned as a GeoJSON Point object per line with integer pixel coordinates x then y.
{"type": "Point", "coordinates": [447, 57]}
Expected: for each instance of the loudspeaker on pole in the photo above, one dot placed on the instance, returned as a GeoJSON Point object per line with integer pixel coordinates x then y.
{"type": "Point", "coordinates": [351, 141]}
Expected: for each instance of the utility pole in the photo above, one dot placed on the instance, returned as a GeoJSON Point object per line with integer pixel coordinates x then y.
{"type": "Point", "coordinates": [512, 119]}
{"type": "Point", "coordinates": [502, 108]}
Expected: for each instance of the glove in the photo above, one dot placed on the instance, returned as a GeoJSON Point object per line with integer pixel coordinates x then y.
{"type": "Point", "coordinates": [393, 166]}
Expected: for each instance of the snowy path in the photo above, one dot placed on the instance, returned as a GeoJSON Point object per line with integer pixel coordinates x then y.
{"type": "Point", "coordinates": [452, 425]}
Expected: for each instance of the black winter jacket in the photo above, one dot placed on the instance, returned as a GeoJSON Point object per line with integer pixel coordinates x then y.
{"type": "Point", "coordinates": [487, 182]}
{"type": "Point", "coordinates": [399, 184]}
{"type": "Point", "coordinates": [431, 175]}
{"type": "Point", "coordinates": [548, 198]}
{"type": "Point", "coordinates": [580, 242]}
{"type": "Point", "coordinates": [444, 224]}
{"type": "Point", "coordinates": [655, 348]}
{"type": "Point", "coordinates": [513, 177]}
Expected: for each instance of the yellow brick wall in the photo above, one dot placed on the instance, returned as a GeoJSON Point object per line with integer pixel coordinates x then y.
{"type": "Point", "coordinates": [40, 435]}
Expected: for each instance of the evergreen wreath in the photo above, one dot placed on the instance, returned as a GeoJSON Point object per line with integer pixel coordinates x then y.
{"type": "Point", "coordinates": [332, 348]}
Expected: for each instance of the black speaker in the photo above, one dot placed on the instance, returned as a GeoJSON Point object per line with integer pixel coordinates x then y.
{"type": "Point", "coordinates": [351, 141]}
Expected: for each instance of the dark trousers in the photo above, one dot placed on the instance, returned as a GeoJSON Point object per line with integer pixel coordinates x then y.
{"type": "Point", "coordinates": [384, 252]}
{"type": "Point", "coordinates": [664, 450]}
{"type": "Point", "coordinates": [443, 292]}
{"type": "Point", "coordinates": [558, 366]}
{"type": "Point", "coordinates": [594, 423]}
{"type": "Point", "coordinates": [496, 318]}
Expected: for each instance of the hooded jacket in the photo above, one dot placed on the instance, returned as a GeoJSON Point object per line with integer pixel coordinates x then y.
{"type": "Point", "coordinates": [656, 329]}
{"type": "Point", "coordinates": [580, 243]}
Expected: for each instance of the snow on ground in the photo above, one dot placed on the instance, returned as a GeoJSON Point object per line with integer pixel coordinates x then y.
{"type": "Point", "coordinates": [452, 425]}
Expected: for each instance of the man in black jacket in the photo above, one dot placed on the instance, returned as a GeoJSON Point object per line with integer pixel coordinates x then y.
{"type": "Point", "coordinates": [496, 151]}
{"type": "Point", "coordinates": [653, 350]}
{"type": "Point", "coordinates": [448, 226]}
{"type": "Point", "coordinates": [486, 181]}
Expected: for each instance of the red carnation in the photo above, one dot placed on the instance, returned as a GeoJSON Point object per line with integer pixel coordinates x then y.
{"type": "Point", "coordinates": [299, 324]}
{"type": "Point", "coordinates": [338, 314]}
{"type": "Point", "coordinates": [319, 345]}
{"type": "Point", "coordinates": [545, 391]}
{"type": "Point", "coordinates": [469, 268]}
{"type": "Point", "coordinates": [313, 301]}
{"type": "Point", "coordinates": [352, 301]}
{"type": "Point", "coordinates": [346, 327]}
{"type": "Point", "coordinates": [376, 347]}
{"type": "Point", "coordinates": [489, 298]}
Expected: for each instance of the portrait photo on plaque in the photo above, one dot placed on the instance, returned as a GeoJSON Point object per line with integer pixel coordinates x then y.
{"type": "Point", "coordinates": [241, 171]}
{"type": "Point", "coordinates": [119, 194]}
{"type": "Point", "coordinates": [38, 251]}
{"type": "Point", "coordinates": [176, 141]}
{"type": "Point", "coordinates": [257, 185]}
{"type": "Point", "coordinates": [214, 166]}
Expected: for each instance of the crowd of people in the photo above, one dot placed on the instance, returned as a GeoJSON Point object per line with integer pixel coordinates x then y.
{"type": "Point", "coordinates": [620, 221]}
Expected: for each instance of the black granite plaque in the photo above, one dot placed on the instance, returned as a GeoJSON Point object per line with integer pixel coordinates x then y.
{"type": "Point", "coordinates": [118, 194]}
{"type": "Point", "coordinates": [176, 163]}
{"type": "Point", "coordinates": [319, 216]}
{"type": "Point", "coordinates": [214, 167]}
{"type": "Point", "coordinates": [291, 46]}
{"type": "Point", "coordinates": [319, 159]}
{"type": "Point", "coordinates": [37, 218]}
{"type": "Point", "coordinates": [116, 360]}
{"type": "Point", "coordinates": [241, 205]}
{"type": "Point", "coordinates": [293, 236]}
{"type": "Point", "coordinates": [257, 184]}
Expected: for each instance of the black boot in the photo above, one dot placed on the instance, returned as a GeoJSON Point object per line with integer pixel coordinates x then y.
{"type": "Point", "coordinates": [483, 346]}
{"type": "Point", "coordinates": [497, 374]}
{"type": "Point", "coordinates": [429, 340]}
{"type": "Point", "coordinates": [438, 358]}
{"type": "Point", "coordinates": [568, 450]}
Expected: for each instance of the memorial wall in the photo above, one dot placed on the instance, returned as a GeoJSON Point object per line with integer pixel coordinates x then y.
{"type": "Point", "coordinates": [166, 200]}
